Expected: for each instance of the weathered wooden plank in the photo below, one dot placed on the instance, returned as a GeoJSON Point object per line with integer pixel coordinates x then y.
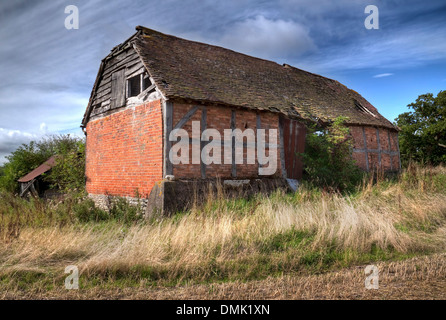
{"type": "Point", "coordinates": [127, 61]}
{"type": "Point", "coordinates": [117, 98]}
{"type": "Point", "coordinates": [106, 75]}
{"type": "Point", "coordinates": [293, 139]}
{"type": "Point", "coordinates": [102, 93]}
{"type": "Point", "coordinates": [126, 58]}
{"type": "Point", "coordinates": [106, 79]}
{"type": "Point", "coordinates": [102, 99]}
{"type": "Point", "coordinates": [134, 70]}
{"type": "Point", "coordinates": [104, 90]}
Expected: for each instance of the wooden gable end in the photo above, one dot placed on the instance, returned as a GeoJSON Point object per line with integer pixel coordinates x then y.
{"type": "Point", "coordinates": [110, 91]}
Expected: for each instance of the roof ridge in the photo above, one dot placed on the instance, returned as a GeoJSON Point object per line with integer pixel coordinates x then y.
{"type": "Point", "coordinates": [284, 65]}
{"type": "Point", "coordinates": [204, 72]}
{"type": "Point", "coordinates": [142, 28]}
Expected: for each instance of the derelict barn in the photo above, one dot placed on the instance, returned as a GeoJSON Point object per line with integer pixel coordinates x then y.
{"type": "Point", "coordinates": [153, 83]}
{"type": "Point", "coordinates": [32, 183]}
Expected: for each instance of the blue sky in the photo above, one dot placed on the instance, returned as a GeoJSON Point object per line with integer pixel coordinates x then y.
{"type": "Point", "coordinates": [47, 71]}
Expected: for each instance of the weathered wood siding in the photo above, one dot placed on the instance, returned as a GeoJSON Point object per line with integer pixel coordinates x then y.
{"type": "Point", "coordinates": [111, 90]}
{"type": "Point", "coordinates": [294, 133]}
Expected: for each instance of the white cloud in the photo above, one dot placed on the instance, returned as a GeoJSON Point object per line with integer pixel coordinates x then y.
{"type": "Point", "coordinates": [387, 50]}
{"type": "Point", "coordinates": [43, 127]}
{"type": "Point", "coordinates": [268, 38]}
{"type": "Point", "coordinates": [382, 75]}
{"type": "Point", "coordinates": [11, 139]}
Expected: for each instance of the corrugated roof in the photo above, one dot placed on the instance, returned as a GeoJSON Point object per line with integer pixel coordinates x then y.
{"type": "Point", "coordinates": [44, 167]}
{"type": "Point", "coordinates": [206, 73]}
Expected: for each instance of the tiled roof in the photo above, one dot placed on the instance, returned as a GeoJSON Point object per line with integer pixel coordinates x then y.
{"type": "Point", "coordinates": [206, 73]}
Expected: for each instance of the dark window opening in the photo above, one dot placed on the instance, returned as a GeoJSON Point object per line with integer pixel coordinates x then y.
{"type": "Point", "coordinates": [147, 82]}
{"type": "Point", "coordinates": [138, 84]}
{"type": "Point", "coordinates": [134, 86]}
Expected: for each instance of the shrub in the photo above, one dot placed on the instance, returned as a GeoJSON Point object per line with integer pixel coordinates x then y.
{"type": "Point", "coordinates": [86, 211]}
{"type": "Point", "coordinates": [67, 174]}
{"type": "Point", "coordinates": [122, 210]}
{"type": "Point", "coordinates": [328, 157]}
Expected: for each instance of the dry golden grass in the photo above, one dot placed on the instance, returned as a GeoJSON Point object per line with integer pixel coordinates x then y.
{"type": "Point", "coordinates": [284, 234]}
{"type": "Point", "coordinates": [416, 278]}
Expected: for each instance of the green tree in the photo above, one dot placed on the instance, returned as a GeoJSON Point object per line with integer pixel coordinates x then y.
{"type": "Point", "coordinates": [68, 173]}
{"type": "Point", "coordinates": [328, 157]}
{"type": "Point", "coordinates": [24, 159]}
{"type": "Point", "coordinates": [423, 130]}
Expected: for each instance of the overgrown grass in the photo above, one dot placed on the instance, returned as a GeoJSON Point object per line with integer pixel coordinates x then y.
{"type": "Point", "coordinates": [308, 232]}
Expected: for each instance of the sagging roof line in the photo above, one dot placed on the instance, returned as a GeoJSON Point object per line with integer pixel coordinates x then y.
{"type": "Point", "coordinates": [210, 74]}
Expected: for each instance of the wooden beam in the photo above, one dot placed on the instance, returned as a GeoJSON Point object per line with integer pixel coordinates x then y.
{"type": "Point", "coordinates": [27, 187]}
{"type": "Point", "coordinates": [296, 132]}
{"type": "Point", "coordinates": [186, 118]}
{"type": "Point", "coordinates": [365, 150]}
{"type": "Point", "coordinates": [282, 148]}
{"type": "Point", "coordinates": [233, 126]}
{"type": "Point", "coordinates": [379, 147]}
{"type": "Point", "coordinates": [393, 153]}
{"type": "Point", "coordinates": [202, 143]}
{"type": "Point", "coordinates": [146, 92]}
{"type": "Point", "coordinates": [258, 127]}
{"type": "Point", "coordinates": [168, 117]}
{"type": "Point", "coordinates": [398, 148]}
{"type": "Point", "coordinates": [390, 150]}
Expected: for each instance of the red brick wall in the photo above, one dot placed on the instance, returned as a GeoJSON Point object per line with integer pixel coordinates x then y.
{"type": "Point", "coordinates": [219, 118]}
{"type": "Point", "coordinates": [125, 151]}
{"type": "Point", "coordinates": [387, 148]}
